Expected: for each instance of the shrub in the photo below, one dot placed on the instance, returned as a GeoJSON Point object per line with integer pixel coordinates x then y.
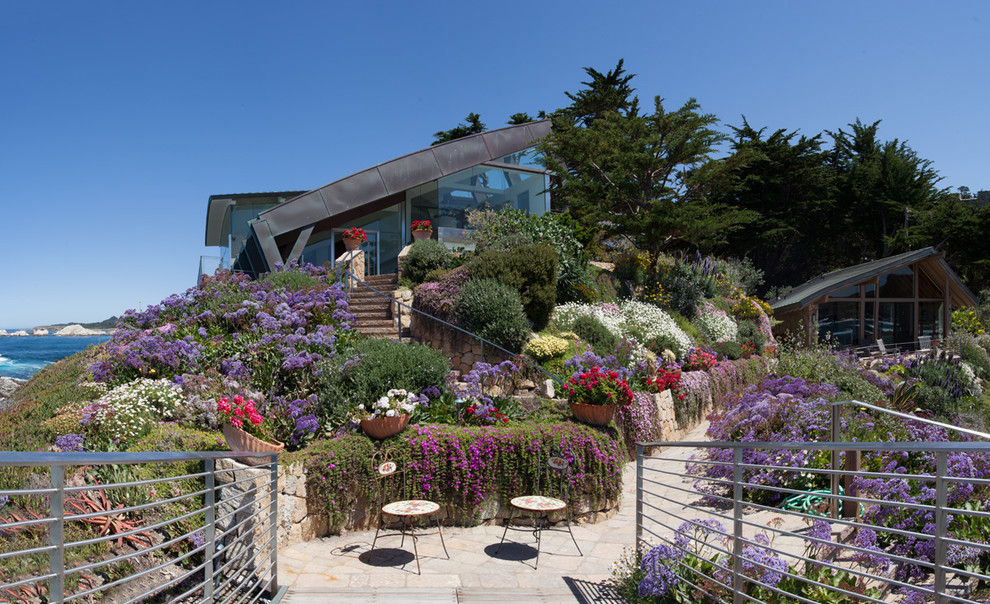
{"type": "Point", "coordinates": [546, 347]}
{"type": "Point", "coordinates": [425, 256]}
{"type": "Point", "coordinates": [369, 369]}
{"type": "Point", "coordinates": [686, 286]}
{"type": "Point", "coordinates": [531, 270]}
{"type": "Point", "coordinates": [751, 333]}
{"type": "Point", "coordinates": [556, 230]}
{"type": "Point", "coordinates": [438, 298]}
{"type": "Point", "coordinates": [971, 352]}
{"type": "Point", "coordinates": [592, 331]}
{"type": "Point", "coordinates": [730, 350]}
{"type": "Point", "coordinates": [493, 311]}
{"type": "Point", "coordinates": [643, 322]}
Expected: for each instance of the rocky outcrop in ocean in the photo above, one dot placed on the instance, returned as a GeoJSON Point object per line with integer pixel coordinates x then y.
{"type": "Point", "coordinates": [79, 330]}
{"type": "Point", "coordinates": [8, 386]}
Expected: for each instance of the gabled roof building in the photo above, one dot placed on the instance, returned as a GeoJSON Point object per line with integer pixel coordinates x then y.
{"type": "Point", "coordinates": [894, 299]}
{"type": "Point", "coordinates": [491, 170]}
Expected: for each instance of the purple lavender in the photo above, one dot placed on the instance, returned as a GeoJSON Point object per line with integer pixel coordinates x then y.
{"type": "Point", "coordinates": [70, 442]}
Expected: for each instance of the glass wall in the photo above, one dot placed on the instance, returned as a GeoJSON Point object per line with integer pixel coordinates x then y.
{"type": "Point", "coordinates": [487, 188]}
{"type": "Point", "coordinates": [838, 322]}
{"type": "Point", "coordinates": [896, 322]}
{"type": "Point", "coordinates": [385, 241]}
{"type": "Point", "coordinates": [930, 319]}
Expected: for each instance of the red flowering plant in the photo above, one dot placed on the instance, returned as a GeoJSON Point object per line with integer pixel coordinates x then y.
{"type": "Point", "coordinates": [420, 225]}
{"type": "Point", "coordinates": [598, 387]}
{"type": "Point", "coordinates": [667, 378]}
{"type": "Point", "coordinates": [355, 233]}
{"type": "Point", "coordinates": [242, 414]}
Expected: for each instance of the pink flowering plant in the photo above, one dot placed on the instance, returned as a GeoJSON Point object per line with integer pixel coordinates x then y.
{"type": "Point", "coordinates": [241, 413]}
{"type": "Point", "coordinates": [598, 387]}
{"type": "Point", "coordinates": [700, 360]}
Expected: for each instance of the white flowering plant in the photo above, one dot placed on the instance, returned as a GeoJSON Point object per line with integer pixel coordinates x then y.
{"type": "Point", "coordinates": [717, 325]}
{"type": "Point", "coordinates": [395, 402]}
{"type": "Point", "coordinates": [648, 321]}
{"type": "Point", "coordinates": [128, 412]}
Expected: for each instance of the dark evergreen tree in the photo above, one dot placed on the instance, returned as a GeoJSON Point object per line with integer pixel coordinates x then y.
{"type": "Point", "coordinates": [473, 126]}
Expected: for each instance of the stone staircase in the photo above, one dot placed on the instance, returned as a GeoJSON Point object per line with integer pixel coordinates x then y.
{"type": "Point", "coordinates": [373, 313]}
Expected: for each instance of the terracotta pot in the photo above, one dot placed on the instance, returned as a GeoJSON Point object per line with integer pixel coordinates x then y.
{"type": "Point", "coordinates": [239, 440]}
{"type": "Point", "coordinates": [596, 415]}
{"type": "Point", "coordinates": [421, 234]}
{"type": "Point", "coordinates": [383, 427]}
{"type": "Point", "coordinates": [351, 245]}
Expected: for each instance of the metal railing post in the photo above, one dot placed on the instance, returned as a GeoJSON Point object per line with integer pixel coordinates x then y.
{"type": "Point", "coordinates": [639, 496]}
{"type": "Point", "coordinates": [834, 456]}
{"type": "Point", "coordinates": [737, 526]}
{"type": "Point", "coordinates": [56, 536]}
{"type": "Point", "coordinates": [941, 529]}
{"type": "Point", "coordinates": [210, 527]}
{"type": "Point", "coordinates": [273, 520]}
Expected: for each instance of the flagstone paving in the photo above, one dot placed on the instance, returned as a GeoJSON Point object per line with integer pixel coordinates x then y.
{"type": "Point", "coordinates": [344, 569]}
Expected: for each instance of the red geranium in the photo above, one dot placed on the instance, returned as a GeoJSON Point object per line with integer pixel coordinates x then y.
{"type": "Point", "coordinates": [240, 413]}
{"type": "Point", "coordinates": [420, 225]}
{"type": "Point", "coordinates": [597, 387]}
{"type": "Point", "coordinates": [355, 233]}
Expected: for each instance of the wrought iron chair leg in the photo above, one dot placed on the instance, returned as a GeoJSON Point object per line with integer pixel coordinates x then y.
{"type": "Point", "coordinates": [507, 523]}
{"type": "Point", "coordinates": [378, 528]}
{"type": "Point", "coordinates": [539, 538]}
{"type": "Point", "coordinates": [440, 530]}
{"type": "Point", "coordinates": [415, 549]}
{"type": "Point", "coordinates": [572, 535]}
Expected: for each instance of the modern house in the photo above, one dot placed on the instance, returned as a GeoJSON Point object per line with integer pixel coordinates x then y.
{"type": "Point", "coordinates": [895, 299]}
{"type": "Point", "coordinates": [492, 170]}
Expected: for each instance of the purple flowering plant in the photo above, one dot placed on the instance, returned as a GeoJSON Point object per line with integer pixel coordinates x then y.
{"type": "Point", "coordinates": [266, 337]}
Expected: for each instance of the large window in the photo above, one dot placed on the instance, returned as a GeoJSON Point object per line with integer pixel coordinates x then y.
{"type": "Point", "coordinates": [839, 323]}
{"type": "Point", "coordinates": [895, 322]}
{"type": "Point", "coordinates": [486, 187]}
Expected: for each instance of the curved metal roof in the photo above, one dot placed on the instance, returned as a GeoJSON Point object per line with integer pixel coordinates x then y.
{"type": "Point", "coordinates": [367, 187]}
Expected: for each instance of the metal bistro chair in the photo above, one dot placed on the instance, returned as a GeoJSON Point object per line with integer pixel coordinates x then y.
{"type": "Point", "coordinates": [924, 343]}
{"type": "Point", "coordinates": [406, 510]}
{"type": "Point", "coordinates": [541, 506]}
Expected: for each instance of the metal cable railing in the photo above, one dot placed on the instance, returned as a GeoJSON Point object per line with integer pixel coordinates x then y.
{"type": "Point", "coordinates": [714, 514]}
{"type": "Point", "coordinates": [345, 276]}
{"type": "Point", "coordinates": [212, 537]}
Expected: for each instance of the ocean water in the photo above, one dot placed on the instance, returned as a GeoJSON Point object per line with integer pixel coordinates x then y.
{"type": "Point", "coordinates": [22, 357]}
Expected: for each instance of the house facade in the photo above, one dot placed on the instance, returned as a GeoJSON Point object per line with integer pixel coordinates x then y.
{"type": "Point", "coordinates": [895, 299]}
{"type": "Point", "coordinates": [492, 170]}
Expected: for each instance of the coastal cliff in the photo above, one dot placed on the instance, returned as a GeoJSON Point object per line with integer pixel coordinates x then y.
{"type": "Point", "coordinates": [8, 386]}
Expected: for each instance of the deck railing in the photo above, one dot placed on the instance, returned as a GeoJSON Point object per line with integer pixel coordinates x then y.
{"type": "Point", "coordinates": [85, 526]}
{"type": "Point", "coordinates": [727, 537]}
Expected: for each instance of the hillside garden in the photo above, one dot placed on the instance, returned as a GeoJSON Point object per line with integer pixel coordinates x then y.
{"type": "Point", "coordinates": [280, 357]}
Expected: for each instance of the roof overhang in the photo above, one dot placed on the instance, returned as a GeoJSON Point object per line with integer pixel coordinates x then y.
{"type": "Point", "coordinates": [361, 191]}
{"type": "Point", "coordinates": [218, 206]}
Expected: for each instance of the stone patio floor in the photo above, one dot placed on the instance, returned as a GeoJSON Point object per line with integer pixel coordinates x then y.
{"type": "Point", "coordinates": [343, 569]}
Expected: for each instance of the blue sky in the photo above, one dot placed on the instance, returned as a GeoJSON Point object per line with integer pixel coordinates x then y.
{"type": "Point", "coordinates": [119, 119]}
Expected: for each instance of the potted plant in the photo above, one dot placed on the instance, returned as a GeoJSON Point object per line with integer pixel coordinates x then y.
{"type": "Point", "coordinates": [353, 238]}
{"type": "Point", "coordinates": [421, 229]}
{"type": "Point", "coordinates": [243, 429]}
{"type": "Point", "coordinates": [389, 415]}
{"type": "Point", "coordinates": [595, 394]}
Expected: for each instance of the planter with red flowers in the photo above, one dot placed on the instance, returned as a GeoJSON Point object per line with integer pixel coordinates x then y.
{"type": "Point", "coordinates": [243, 430]}
{"type": "Point", "coordinates": [595, 394]}
{"type": "Point", "coordinates": [421, 229]}
{"type": "Point", "coordinates": [353, 238]}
